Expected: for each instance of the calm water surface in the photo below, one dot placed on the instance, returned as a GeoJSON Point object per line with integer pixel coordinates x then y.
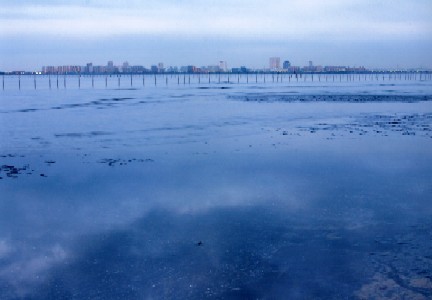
{"type": "Point", "coordinates": [287, 190]}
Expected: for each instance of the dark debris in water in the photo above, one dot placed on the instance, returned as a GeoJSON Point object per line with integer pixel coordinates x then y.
{"type": "Point", "coordinates": [216, 88]}
{"type": "Point", "coordinates": [415, 124]}
{"type": "Point", "coordinates": [12, 171]}
{"type": "Point", "coordinates": [82, 134]}
{"type": "Point", "coordinates": [122, 162]}
{"type": "Point", "coordinates": [10, 155]}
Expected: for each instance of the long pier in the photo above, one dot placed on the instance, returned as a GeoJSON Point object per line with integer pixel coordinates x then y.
{"type": "Point", "coordinates": [139, 81]}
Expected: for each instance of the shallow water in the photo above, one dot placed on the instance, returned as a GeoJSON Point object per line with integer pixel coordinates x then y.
{"type": "Point", "coordinates": [299, 190]}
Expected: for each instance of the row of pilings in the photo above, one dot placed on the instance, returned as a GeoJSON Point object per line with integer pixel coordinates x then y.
{"type": "Point", "coordinates": [134, 80]}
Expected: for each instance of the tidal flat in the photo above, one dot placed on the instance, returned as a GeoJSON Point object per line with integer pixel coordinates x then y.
{"type": "Point", "coordinates": [250, 190]}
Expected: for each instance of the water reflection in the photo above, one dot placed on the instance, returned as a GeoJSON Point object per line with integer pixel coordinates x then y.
{"type": "Point", "coordinates": [218, 226]}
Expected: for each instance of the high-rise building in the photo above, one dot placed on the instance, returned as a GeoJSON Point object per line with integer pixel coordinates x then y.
{"type": "Point", "coordinates": [274, 63]}
{"type": "Point", "coordinates": [286, 65]}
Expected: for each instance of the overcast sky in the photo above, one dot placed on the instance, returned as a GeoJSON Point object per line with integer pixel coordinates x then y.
{"type": "Point", "coordinates": [374, 33]}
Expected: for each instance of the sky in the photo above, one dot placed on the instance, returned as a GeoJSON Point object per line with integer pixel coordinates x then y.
{"type": "Point", "coordinates": [371, 33]}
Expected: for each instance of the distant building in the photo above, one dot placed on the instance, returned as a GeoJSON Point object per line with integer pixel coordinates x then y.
{"type": "Point", "coordinates": [110, 67]}
{"type": "Point", "coordinates": [312, 68]}
{"type": "Point", "coordinates": [161, 68]}
{"type": "Point", "coordinates": [172, 69]}
{"type": "Point", "coordinates": [154, 69]}
{"type": "Point", "coordinates": [126, 68]}
{"type": "Point", "coordinates": [137, 69]}
{"type": "Point", "coordinates": [274, 63]}
{"type": "Point", "coordinates": [293, 69]}
{"type": "Point", "coordinates": [214, 69]}
{"type": "Point", "coordinates": [99, 69]}
{"type": "Point", "coordinates": [223, 66]}
{"type": "Point", "coordinates": [88, 68]}
{"type": "Point", "coordinates": [335, 69]}
{"type": "Point", "coordinates": [242, 69]}
{"type": "Point", "coordinates": [191, 69]}
{"type": "Point", "coordinates": [286, 65]}
{"type": "Point", "coordinates": [356, 69]}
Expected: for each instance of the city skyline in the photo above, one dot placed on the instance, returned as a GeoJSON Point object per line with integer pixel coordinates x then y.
{"type": "Point", "coordinates": [275, 64]}
{"type": "Point", "coordinates": [376, 34]}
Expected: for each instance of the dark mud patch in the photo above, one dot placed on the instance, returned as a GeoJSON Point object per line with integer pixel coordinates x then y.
{"type": "Point", "coordinates": [11, 155]}
{"type": "Point", "coordinates": [12, 171]}
{"type": "Point", "coordinates": [214, 88]}
{"type": "Point", "coordinates": [329, 98]}
{"type": "Point", "coordinates": [82, 134]}
{"type": "Point", "coordinates": [100, 103]}
{"type": "Point", "coordinates": [27, 110]}
{"type": "Point", "coordinates": [123, 162]}
{"type": "Point", "coordinates": [413, 124]}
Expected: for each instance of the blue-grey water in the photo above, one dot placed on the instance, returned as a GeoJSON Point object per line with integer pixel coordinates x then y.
{"type": "Point", "coordinates": [288, 189]}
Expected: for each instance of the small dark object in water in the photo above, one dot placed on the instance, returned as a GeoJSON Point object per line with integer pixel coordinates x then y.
{"type": "Point", "coordinates": [43, 175]}
{"type": "Point", "coordinates": [199, 243]}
